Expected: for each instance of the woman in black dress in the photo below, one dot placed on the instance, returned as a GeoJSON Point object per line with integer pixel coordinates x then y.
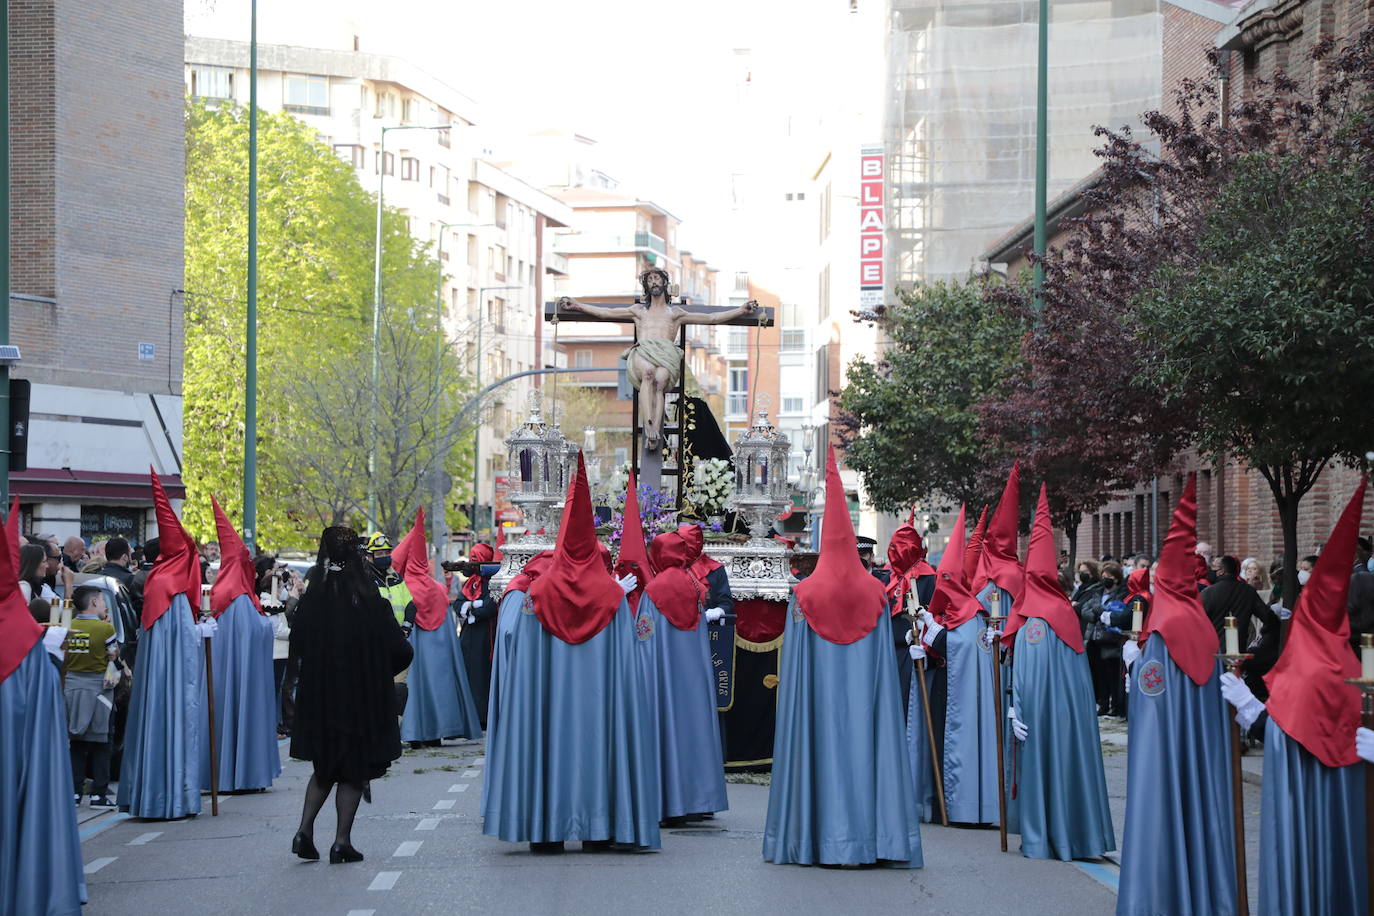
{"type": "Point", "coordinates": [349, 647]}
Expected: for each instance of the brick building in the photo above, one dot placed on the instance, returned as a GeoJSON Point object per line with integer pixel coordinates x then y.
{"type": "Point", "coordinates": [1236, 511]}
{"type": "Point", "coordinates": [96, 138]}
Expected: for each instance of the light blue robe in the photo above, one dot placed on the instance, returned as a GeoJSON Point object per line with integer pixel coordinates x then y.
{"type": "Point", "coordinates": [1004, 670]}
{"type": "Point", "coordinates": [160, 775]}
{"type": "Point", "coordinates": [1060, 796]}
{"type": "Point", "coordinates": [440, 703]}
{"type": "Point", "coordinates": [842, 790]}
{"type": "Point", "coordinates": [678, 678]}
{"type": "Point", "coordinates": [571, 750]}
{"type": "Point", "coordinates": [1312, 832]}
{"type": "Point", "coordinates": [1178, 851]}
{"type": "Point", "coordinates": [245, 702]}
{"type": "Point", "coordinates": [968, 761]}
{"type": "Point", "coordinates": [40, 850]}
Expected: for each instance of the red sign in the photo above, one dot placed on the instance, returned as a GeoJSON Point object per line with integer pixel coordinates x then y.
{"type": "Point", "coordinates": [872, 238]}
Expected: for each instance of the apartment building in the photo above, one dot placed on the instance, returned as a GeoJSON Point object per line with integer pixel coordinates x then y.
{"type": "Point", "coordinates": [415, 139]}
{"type": "Point", "coordinates": [96, 136]}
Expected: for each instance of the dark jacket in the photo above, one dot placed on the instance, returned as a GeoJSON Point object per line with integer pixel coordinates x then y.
{"type": "Point", "coordinates": [122, 574]}
{"type": "Point", "coordinates": [1230, 597]}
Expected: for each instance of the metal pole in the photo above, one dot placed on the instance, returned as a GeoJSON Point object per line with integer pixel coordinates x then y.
{"type": "Point", "coordinates": [1041, 151]}
{"type": "Point", "coordinates": [376, 335]}
{"type": "Point", "coordinates": [436, 502]}
{"type": "Point", "coordinates": [1154, 517]}
{"type": "Point", "coordinates": [5, 259]}
{"type": "Point", "coordinates": [477, 431]}
{"type": "Point", "coordinates": [250, 394]}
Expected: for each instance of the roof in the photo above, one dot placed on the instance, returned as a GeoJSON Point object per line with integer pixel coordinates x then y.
{"type": "Point", "coordinates": [589, 198]}
{"type": "Point", "coordinates": [1021, 237]}
{"type": "Point", "coordinates": [1222, 11]}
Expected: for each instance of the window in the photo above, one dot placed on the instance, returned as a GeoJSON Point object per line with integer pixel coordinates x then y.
{"type": "Point", "coordinates": [386, 105]}
{"type": "Point", "coordinates": [793, 340]}
{"type": "Point", "coordinates": [793, 405]}
{"type": "Point", "coordinates": [390, 164]}
{"type": "Point", "coordinates": [737, 400]}
{"type": "Point", "coordinates": [306, 94]}
{"type": "Point", "coordinates": [410, 169]}
{"type": "Point", "coordinates": [212, 82]}
{"type": "Point", "coordinates": [824, 294]}
{"type": "Point", "coordinates": [409, 108]}
{"type": "Point", "coordinates": [438, 180]}
{"type": "Point", "coordinates": [822, 373]}
{"type": "Point", "coordinates": [351, 153]}
{"type": "Point", "coordinates": [737, 341]}
{"type": "Point", "coordinates": [582, 359]}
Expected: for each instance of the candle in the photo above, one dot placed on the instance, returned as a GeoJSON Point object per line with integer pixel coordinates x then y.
{"type": "Point", "coordinates": [1137, 616]}
{"type": "Point", "coordinates": [1232, 637]}
{"type": "Point", "coordinates": [205, 599]}
{"type": "Point", "coordinates": [1367, 656]}
{"type": "Point", "coordinates": [995, 599]}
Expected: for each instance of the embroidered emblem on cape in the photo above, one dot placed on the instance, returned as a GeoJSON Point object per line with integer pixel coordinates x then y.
{"type": "Point", "coordinates": [1035, 630]}
{"type": "Point", "coordinates": [770, 681]}
{"type": "Point", "coordinates": [1151, 678]}
{"type": "Point", "coordinates": [644, 626]}
{"type": "Point", "coordinates": [528, 606]}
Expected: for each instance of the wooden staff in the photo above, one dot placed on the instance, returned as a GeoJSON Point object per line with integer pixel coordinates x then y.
{"type": "Point", "coordinates": [1238, 797]}
{"type": "Point", "coordinates": [210, 697]}
{"type": "Point", "coordinates": [995, 599]}
{"type": "Point", "coordinates": [1369, 795]}
{"type": "Point", "coordinates": [930, 723]}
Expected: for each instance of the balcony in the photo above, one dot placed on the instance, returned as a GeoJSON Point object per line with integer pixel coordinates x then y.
{"type": "Point", "coordinates": [606, 243]}
{"type": "Point", "coordinates": [650, 241]}
{"type": "Point", "coordinates": [557, 263]}
{"type": "Point", "coordinates": [443, 199]}
{"type": "Point", "coordinates": [321, 110]}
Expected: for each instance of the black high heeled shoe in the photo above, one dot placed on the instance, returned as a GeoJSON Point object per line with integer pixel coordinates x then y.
{"type": "Point", "coordinates": [304, 847]}
{"type": "Point", "coordinates": [343, 852]}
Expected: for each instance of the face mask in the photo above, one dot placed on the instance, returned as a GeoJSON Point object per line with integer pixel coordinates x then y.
{"type": "Point", "coordinates": [1303, 576]}
{"type": "Point", "coordinates": [382, 563]}
{"type": "Point", "coordinates": [1369, 564]}
{"type": "Point", "coordinates": [1085, 577]}
{"type": "Point", "coordinates": [1109, 584]}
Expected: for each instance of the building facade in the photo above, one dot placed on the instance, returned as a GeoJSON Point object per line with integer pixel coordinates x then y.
{"type": "Point", "coordinates": [492, 232]}
{"type": "Point", "coordinates": [96, 138]}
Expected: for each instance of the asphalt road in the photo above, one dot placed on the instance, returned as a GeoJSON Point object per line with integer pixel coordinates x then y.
{"type": "Point", "coordinates": [426, 853]}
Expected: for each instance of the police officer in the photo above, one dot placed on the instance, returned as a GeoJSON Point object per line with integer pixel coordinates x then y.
{"type": "Point", "coordinates": [394, 590]}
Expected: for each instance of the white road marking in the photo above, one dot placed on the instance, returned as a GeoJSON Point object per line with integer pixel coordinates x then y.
{"type": "Point", "coordinates": [458, 787]}
{"type": "Point", "coordinates": [144, 838]}
{"type": "Point", "coordinates": [444, 804]}
{"type": "Point", "coordinates": [408, 848]}
{"type": "Point", "coordinates": [479, 761]}
{"type": "Point", "coordinates": [468, 774]}
{"type": "Point", "coordinates": [96, 865]}
{"type": "Point", "coordinates": [384, 881]}
{"type": "Point", "coordinates": [428, 823]}
{"type": "Point", "coordinates": [362, 913]}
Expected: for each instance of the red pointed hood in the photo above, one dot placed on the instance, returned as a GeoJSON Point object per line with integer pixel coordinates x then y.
{"type": "Point", "coordinates": [1138, 585]}
{"type": "Point", "coordinates": [1041, 595]}
{"type": "Point", "coordinates": [576, 597]}
{"type": "Point", "coordinates": [497, 555]}
{"type": "Point", "coordinates": [471, 588]}
{"type": "Point", "coordinates": [177, 570]}
{"type": "Point", "coordinates": [534, 568]}
{"type": "Point", "coordinates": [953, 603]}
{"type": "Point", "coordinates": [18, 630]}
{"type": "Point", "coordinates": [906, 562]}
{"type": "Point", "coordinates": [411, 561]}
{"type": "Point", "coordinates": [998, 563]}
{"type": "Point", "coordinates": [702, 565]}
{"type": "Point", "coordinates": [673, 590]}
{"type": "Point", "coordinates": [634, 556]}
{"type": "Point", "coordinates": [973, 551]}
{"type": "Point", "coordinates": [1308, 696]}
{"type": "Point", "coordinates": [237, 574]}
{"type": "Point", "coordinates": [1175, 608]}
{"type": "Point", "coordinates": [841, 600]}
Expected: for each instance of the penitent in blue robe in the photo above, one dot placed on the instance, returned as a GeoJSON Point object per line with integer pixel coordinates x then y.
{"type": "Point", "coordinates": [679, 681]}
{"type": "Point", "coordinates": [571, 750]}
{"type": "Point", "coordinates": [245, 702]}
{"type": "Point", "coordinates": [40, 851]}
{"type": "Point", "coordinates": [966, 737]}
{"type": "Point", "coordinates": [440, 704]}
{"type": "Point", "coordinates": [1312, 831]}
{"type": "Point", "coordinates": [842, 790]}
{"type": "Point", "coordinates": [1178, 851]}
{"type": "Point", "coordinates": [160, 775]}
{"type": "Point", "coordinates": [1060, 796]}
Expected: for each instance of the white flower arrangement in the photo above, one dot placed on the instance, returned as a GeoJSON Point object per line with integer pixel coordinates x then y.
{"type": "Point", "coordinates": [616, 482]}
{"type": "Point", "coordinates": [713, 484]}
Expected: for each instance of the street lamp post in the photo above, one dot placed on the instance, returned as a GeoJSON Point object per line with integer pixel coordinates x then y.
{"type": "Point", "coordinates": [377, 314]}
{"type": "Point", "coordinates": [250, 390]}
{"type": "Point", "coordinates": [477, 430]}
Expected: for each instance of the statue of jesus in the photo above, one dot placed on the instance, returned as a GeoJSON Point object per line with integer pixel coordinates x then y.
{"type": "Point", "coordinates": [654, 361]}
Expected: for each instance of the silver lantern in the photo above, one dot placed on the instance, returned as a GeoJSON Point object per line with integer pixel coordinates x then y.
{"type": "Point", "coordinates": [761, 487]}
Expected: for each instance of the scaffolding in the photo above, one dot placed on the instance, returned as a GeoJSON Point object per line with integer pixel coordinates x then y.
{"type": "Point", "coordinates": [960, 125]}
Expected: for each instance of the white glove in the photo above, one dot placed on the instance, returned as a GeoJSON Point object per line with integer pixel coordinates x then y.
{"type": "Point", "coordinates": [627, 582]}
{"type": "Point", "coordinates": [1248, 708]}
{"type": "Point", "coordinates": [1018, 728]}
{"type": "Point", "coordinates": [478, 603]}
{"type": "Point", "coordinates": [1129, 653]}
{"type": "Point", "coordinates": [470, 618]}
{"type": "Point", "coordinates": [910, 637]}
{"type": "Point", "coordinates": [1278, 608]}
{"type": "Point", "coordinates": [466, 609]}
{"type": "Point", "coordinates": [932, 628]}
{"type": "Point", "coordinates": [917, 651]}
{"type": "Point", "coordinates": [1364, 744]}
{"type": "Point", "coordinates": [208, 628]}
{"type": "Point", "coordinates": [713, 614]}
{"type": "Point", "coordinates": [1105, 618]}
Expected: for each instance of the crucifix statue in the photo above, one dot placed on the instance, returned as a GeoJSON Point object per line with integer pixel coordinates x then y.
{"type": "Point", "coordinates": [654, 361]}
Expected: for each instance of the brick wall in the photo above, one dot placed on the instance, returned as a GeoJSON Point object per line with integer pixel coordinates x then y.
{"type": "Point", "coordinates": [1187, 38]}
{"type": "Point", "coordinates": [97, 94]}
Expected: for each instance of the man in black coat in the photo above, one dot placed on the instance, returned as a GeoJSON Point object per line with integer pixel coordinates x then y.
{"type": "Point", "coordinates": [1229, 596]}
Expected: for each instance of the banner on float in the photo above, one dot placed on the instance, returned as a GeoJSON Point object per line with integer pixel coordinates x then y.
{"type": "Point", "coordinates": [722, 638]}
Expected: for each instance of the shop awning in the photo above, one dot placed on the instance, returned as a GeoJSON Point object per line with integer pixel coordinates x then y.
{"type": "Point", "coordinates": [92, 486]}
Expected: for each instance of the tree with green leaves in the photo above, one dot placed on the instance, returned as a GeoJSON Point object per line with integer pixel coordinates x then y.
{"type": "Point", "coordinates": [316, 228]}
{"type": "Point", "coordinates": [909, 421]}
